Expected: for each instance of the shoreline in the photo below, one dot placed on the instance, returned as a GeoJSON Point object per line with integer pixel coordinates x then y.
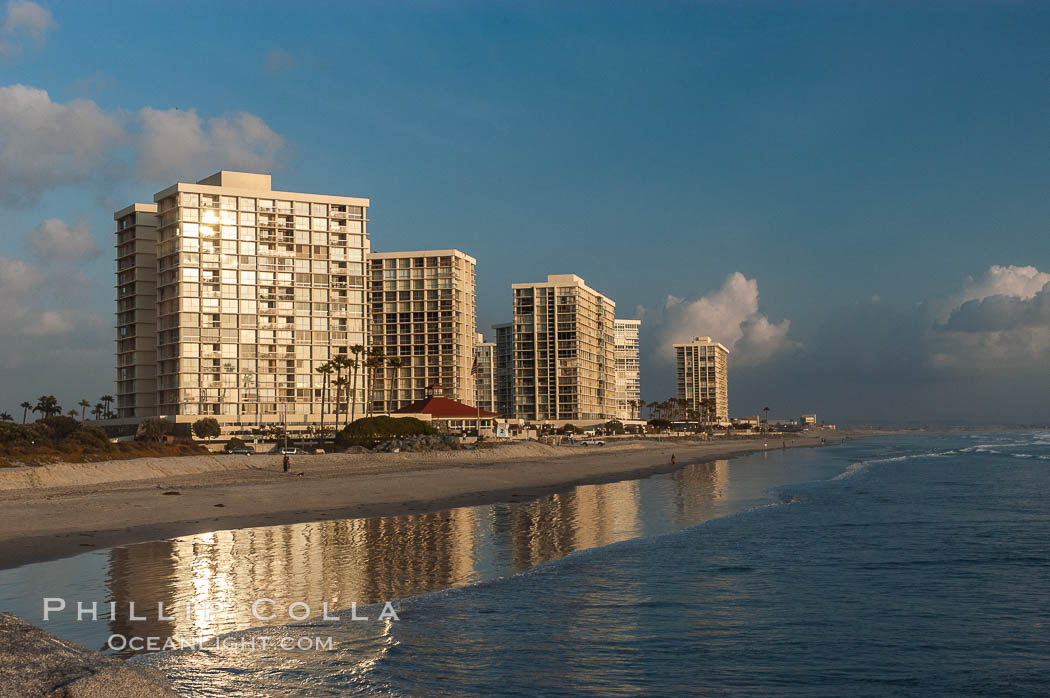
{"type": "Point", "coordinates": [38, 524]}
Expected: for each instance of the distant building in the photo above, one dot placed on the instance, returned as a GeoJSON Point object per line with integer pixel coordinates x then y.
{"type": "Point", "coordinates": [564, 351]}
{"type": "Point", "coordinates": [628, 382]}
{"type": "Point", "coordinates": [230, 294]}
{"type": "Point", "coordinates": [136, 310]}
{"type": "Point", "coordinates": [505, 370]}
{"type": "Point", "coordinates": [485, 378]}
{"type": "Point", "coordinates": [807, 419]}
{"type": "Point", "coordinates": [702, 375]}
{"type": "Point", "coordinates": [423, 313]}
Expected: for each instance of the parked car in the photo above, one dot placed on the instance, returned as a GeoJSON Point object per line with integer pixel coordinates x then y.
{"type": "Point", "coordinates": [592, 442]}
{"type": "Point", "coordinates": [242, 450]}
{"type": "Point", "coordinates": [290, 451]}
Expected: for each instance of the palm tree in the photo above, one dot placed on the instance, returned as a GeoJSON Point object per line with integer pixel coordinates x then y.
{"type": "Point", "coordinates": [395, 363]}
{"type": "Point", "coordinates": [766, 410]}
{"type": "Point", "coordinates": [47, 406]}
{"type": "Point", "coordinates": [107, 400]}
{"type": "Point", "coordinates": [339, 363]}
{"type": "Point", "coordinates": [99, 408]}
{"type": "Point", "coordinates": [72, 413]}
{"type": "Point", "coordinates": [26, 406]}
{"type": "Point", "coordinates": [84, 405]}
{"type": "Point", "coordinates": [355, 364]}
{"type": "Point", "coordinates": [325, 370]}
{"type": "Point", "coordinates": [341, 384]}
{"type": "Point", "coordinates": [376, 359]}
{"type": "Point", "coordinates": [351, 389]}
{"type": "Point", "coordinates": [5, 417]}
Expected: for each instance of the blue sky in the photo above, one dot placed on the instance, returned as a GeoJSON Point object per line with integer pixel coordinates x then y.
{"type": "Point", "coordinates": [822, 184]}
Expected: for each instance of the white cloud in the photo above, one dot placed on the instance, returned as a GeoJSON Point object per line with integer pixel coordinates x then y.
{"type": "Point", "coordinates": [55, 239]}
{"type": "Point", "coordinates": [175, 143]}
{"type": "Point", "coordinates": [729, 315]}
{"type": "Point", "coordinates": [24, 21]}
{"type": "Point", "coordinates": [27, 292]}
{"type": "Point", "coordinates": [997, 324]}
{"type": "Point", "coordinates": [46, 144]}
{"type": "Point", "coordinates": [1015, 281]}
{"type": "Point", "coordinates": [16, 278]}
{"type": "Point", "coordinates": [29, 18]}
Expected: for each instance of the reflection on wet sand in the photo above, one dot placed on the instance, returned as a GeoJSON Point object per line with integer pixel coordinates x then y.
{"type": "Point", "coordinates": [367, 561]}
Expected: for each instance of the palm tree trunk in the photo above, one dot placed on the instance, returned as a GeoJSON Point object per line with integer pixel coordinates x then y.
{"type": "Point", "coordinates": [353, 399]}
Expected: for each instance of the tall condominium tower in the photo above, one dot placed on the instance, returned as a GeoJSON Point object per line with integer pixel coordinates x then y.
{"type": "Point", "coordinates": [136, 310]}
{"type": "Point", "coordinates": [423, 315]}
{"type": "Point", "coordinates": [255, 289]}
{"type": "Point", "coordinates": [628, 382]}
{"type": "Point", "coordinates": [485, 378]}
{"type": "Point", "coordinates": [505, 370]}
{"type": "Point", "coordinates": [564, 365]}
{"type": "Point", "coordinates": [702, 375]}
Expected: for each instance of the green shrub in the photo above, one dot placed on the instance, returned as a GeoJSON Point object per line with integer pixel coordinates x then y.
{"type": "Point", "coordinates": [152, 429]}
{"type": "Point", "coordinates": [369, 431]}
{"type": "Point", "coordinates": [89, 438]}
{"type": "Point", "coordinates": [613, 427]}
{"type": "Point", "coordinates": [570, 429]}
{"type": "Point", "coordinates": [207, 428]}
{"type": "Point", "coordinates": [59, 427]}
{"type": "Point", "coordinates": [233, 443]}
{"type": "Point", "coordinates": [22, 434]}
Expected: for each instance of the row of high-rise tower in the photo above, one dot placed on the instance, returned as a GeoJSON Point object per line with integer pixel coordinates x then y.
{"type": "Point", "coordinates": [231, 296]}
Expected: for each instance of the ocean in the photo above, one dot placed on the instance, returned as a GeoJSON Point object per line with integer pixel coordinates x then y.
{"type": "Point", "coordinates": [897, 565]}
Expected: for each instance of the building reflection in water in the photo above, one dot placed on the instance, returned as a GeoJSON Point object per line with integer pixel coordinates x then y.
{"type": "Point", "coordinates": [368, 561]}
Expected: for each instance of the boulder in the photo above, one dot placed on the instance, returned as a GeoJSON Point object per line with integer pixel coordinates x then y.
{"type": "Point", "coordinates": [33, 662]}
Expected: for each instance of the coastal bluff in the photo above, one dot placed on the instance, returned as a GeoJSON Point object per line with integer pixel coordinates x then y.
{"type": "Point", "coordinates": [33, 662]}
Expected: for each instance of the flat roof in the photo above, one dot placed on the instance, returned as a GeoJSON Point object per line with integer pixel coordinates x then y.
{"type": "Point", "coordinates": [252, 184]}
{"type": "Point", "coordinates": [135, 208]}
{"type": "Point", "coordinates": [564, 280]}
{"type": "Point", "coordinates": [423, 253]}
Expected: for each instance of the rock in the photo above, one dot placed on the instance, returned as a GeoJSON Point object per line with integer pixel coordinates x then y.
{"type": "Point", "coordinates": [33, 662]}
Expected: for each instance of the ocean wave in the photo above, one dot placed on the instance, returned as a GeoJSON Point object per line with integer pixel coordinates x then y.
{"type": "Point", "coordinates": [861, 466]}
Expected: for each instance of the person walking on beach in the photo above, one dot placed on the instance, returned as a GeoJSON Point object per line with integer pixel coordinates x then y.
{"type": "Point", "coordinates": [673, 459]}
{"type": "Point", "coordinates": [287, 462]}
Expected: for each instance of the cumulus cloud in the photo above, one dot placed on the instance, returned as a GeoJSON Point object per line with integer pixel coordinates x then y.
{"type": "Point", "coordinates": [24, 22]}
{"type": "Point", "coordinates": [1010, 281]}
{"type": "Point", "coordinates": [729, 315]}
{"type": "Point", "coordinates": [176, 143]}
{"type": "Point", "coordinates": [19, 285]}
{"type": "Point", "coordinates": [46, 144]}
{"type": "Point", "coordinates": [1002, 324]}
{"type": "Point", "coordinates": [55, 239]}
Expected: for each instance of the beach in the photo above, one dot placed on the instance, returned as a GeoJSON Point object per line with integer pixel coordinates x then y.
{"type": "Point", "coordinates": [55, 511]}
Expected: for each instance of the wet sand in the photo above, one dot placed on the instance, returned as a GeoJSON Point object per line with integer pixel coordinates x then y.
{"type": "Point", "coordinates": [72, 508]}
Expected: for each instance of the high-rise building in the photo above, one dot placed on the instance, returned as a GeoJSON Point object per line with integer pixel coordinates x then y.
{"type": "Point", "coordinates": [564, 363]}
{"type": "Point", "coordinates": [702, 376]}
{"type": "Point", "coordinates": [485, 378]}
{"type": "Point", "coordinates": [255, 289]}
{"type": "Point", "coordinates": [628, 379]}
{"type": "Point", "coordinates": [505, 370]}
{"type": "Point", "coordinates": [423, 315]}
{"type": "Point", "coordinates": [136, 310]}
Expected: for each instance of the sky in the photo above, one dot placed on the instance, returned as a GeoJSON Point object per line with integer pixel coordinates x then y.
{"type": "Point", "coordinates": [852, 196]}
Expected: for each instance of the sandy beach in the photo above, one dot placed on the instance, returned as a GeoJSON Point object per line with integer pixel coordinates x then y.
{"type": "Point", "coordinates": [60, 510]}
